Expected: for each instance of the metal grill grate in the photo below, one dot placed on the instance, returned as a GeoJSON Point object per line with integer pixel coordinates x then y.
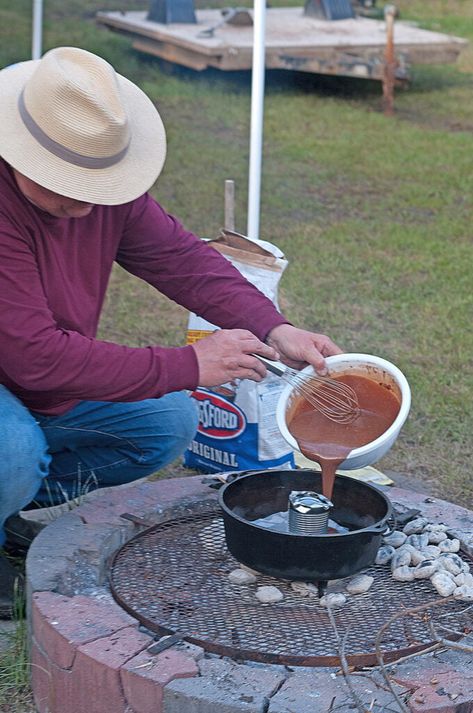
{"type": "Point", "coordinates": [174, 577]}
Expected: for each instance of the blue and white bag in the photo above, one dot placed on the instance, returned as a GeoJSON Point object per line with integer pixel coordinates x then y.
{"type": "Point", "coordinates": [237, 422]}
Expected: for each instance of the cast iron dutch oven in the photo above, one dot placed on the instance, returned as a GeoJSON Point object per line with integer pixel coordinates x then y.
{"type": "Point", "coordinates": [359, 506]}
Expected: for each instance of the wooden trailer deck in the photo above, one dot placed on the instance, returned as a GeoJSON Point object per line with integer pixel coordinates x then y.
{"type": "Point", "coordinates": [352, 47]}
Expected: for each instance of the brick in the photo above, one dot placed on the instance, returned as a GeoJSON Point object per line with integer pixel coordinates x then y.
{"type": "Point", "coordinates": [108, 511]}
{"type": "Point", "coordinates": [51, 685]}
{"type": "Point", "coordinates": [321, 689]}
{"type": "Point", "coordinates": [143, 498]}
{"type": "Point", "coordinates": [458, 661]}
{"type": "Point", "coordinates": [426, 700]}
{"type": "Point", "coordinates": [97, 544]}
{"type": "Point", "coordinates": [224, 687]}
{"type": "Point", "coordinates": [176, 490]}
{"type": "Point", "coordinates": [144, 677]}
{"type": "Point", "coordinates": [447, 692]}
{"type": "Point", "coordinates": [96, 685]}
{"type": "Point", "coordinates": [192, 650]}
{"type": "Point", "coordinates": [88, 546]}
{"type": "Point", "coordinates": [45, 572]}
{"type": "Point", "coordinates": [440, 685]}
{"type": "Point", "coordinates": [60, 624]}
{"type": "Point", "coordinates": [419, 670]}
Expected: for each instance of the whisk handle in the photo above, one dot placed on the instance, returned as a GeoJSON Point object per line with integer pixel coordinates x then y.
{"type": "Point", "coordinates": [276, 367]}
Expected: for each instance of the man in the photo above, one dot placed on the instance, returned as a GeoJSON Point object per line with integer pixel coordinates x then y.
{"type": "Point", "coordinates": [80, 146]}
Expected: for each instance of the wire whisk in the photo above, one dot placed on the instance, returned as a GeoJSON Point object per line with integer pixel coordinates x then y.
{"type": "Point", "coordinates": [336, 400]}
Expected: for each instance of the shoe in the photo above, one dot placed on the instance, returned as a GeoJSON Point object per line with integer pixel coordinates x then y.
{"type": "Point", "coordinates": [11, 588]}
{"type": "Point", "coordinates": [20, 534]}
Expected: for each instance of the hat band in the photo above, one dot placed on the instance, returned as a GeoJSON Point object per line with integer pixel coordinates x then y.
{"type": "Point", "coordinates": [61, 151]}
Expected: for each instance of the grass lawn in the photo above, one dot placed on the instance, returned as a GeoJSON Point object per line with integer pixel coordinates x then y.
{"type": "Point", "coordinates": [373, 213]}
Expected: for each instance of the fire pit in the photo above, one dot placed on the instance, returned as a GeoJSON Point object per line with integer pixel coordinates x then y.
{"type": "Point", "coordinates": [174, 577]}
{"type": "Point", "coordinates": [237, 654]}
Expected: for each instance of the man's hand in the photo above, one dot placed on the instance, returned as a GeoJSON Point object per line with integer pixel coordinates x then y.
{"type": "Point", "coordinates": [225, 355]}
{"type": "Point", "coordinates": [297, 347]}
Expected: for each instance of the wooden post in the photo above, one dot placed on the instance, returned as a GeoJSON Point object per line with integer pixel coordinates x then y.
{"type": "Point", "coordinates": [389, 75]}
{"type": "Point", "coordinates": [229, 219]}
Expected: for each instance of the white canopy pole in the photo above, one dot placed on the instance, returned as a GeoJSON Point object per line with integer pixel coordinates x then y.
{"type": "Point", "coordinates": [257, 103]}
{"type": "Point", "coordinates": [36, 40]}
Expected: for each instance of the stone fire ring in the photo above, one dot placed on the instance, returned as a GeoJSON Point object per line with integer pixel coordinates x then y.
{"type": "Point", "coordinates": [89, 655]}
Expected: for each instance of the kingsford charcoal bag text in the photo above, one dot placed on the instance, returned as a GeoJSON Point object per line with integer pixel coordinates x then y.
{"type": "Point", "coordinates": [237, 423]}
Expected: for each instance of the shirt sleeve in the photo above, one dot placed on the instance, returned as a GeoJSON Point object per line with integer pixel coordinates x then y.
{"type": "Point", "coordinates": [157, 248]}
{"type": "Point", "coordinates": [45, 363]}
{"type": "Point", "coordinates": [48, 364]}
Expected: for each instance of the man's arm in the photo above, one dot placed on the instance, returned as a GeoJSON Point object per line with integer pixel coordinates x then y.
{"type": "Point", "coordinates": [196, 276]}
{"type": "Point", "coordinates": [47, 364]}
{"type": "Point", "coordinates": [157, 248]}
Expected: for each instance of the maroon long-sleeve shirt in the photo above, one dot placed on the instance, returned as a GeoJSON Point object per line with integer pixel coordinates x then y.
{"type": "Point", "coordinates": [53, 278]}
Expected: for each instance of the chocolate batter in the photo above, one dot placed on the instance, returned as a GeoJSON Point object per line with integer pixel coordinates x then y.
{"type": "Point", "coordinates": [328, 443]}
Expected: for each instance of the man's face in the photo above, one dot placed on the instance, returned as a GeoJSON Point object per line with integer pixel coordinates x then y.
{"type": "Point", "coordinates": [52, 203]}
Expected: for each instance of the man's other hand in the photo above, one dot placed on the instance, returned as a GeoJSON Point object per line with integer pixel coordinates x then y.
{"type": "Point", "coordinates": [298, 348]}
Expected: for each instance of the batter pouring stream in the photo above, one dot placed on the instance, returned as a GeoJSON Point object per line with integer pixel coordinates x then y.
{"type": "Point", "coordinates": [328, 443]}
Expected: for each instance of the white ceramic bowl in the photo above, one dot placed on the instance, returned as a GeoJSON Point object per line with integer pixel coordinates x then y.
{"type": "Point", "coordinates": [372, 367]}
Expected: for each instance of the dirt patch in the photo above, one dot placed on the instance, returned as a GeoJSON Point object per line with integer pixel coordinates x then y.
{"type": "Point", "coordinates": [434, 122]}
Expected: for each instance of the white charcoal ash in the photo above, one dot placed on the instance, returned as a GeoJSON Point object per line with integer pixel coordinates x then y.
{"type": "Point", "coordinates": [416, 526]}
{"type": "Point", "coordinates": [269, 594]}
{"type": "Point", "coordinates": [418, 541]}
{"type": "Point", "coordinates": [404, 574]}
{"type": "Point", "coordinates": [305, 589]}
{"type": "Point", "coordinates": [451, 562]}
{"type": "Point", "coordinates": [464, 593]}
{"type": "Point", "coordinates": [334, 599]}
{"type": "Point", "coordinates": [449, 545]}
{"type": "Point", "coordinates": [395, 539]}
{"type": "Point", "coordinates": [417, 557]}
{"type": "Point", "coordinates": [240, 576]}
{"type": "Point", "coordinates": [406, 548]}
{"type": "Point", "coordinates": [432, 551]}
{"type": "Point", "coordinates": [464, 579]}
{"type": "Point", "coordinates": [400, 559]}
{"type": "Point", "coordinates": [384, 554]}
{"type": "Point", "coordinates": [448, 574]}
{"type": "Point", "coordinates": [443, 584]}
{"type": "Point", "coordinates": [425, 569]}
{"type": "Point", "coordinates": [425, 550]}
{"type": "Point", "coordinates": [437, 536]}
{"type": "Point", "coordinates": [359, 584]}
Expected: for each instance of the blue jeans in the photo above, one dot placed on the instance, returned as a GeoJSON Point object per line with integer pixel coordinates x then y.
{"type": "Point", "coordinates": [50, 459]}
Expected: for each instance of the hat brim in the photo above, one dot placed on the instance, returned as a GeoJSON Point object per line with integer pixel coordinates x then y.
{"type": "Point", "coordinates": [123, 182]}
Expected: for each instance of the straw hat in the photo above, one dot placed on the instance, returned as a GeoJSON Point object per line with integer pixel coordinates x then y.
{"type": "Point", "coordinates": [72, 124]}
